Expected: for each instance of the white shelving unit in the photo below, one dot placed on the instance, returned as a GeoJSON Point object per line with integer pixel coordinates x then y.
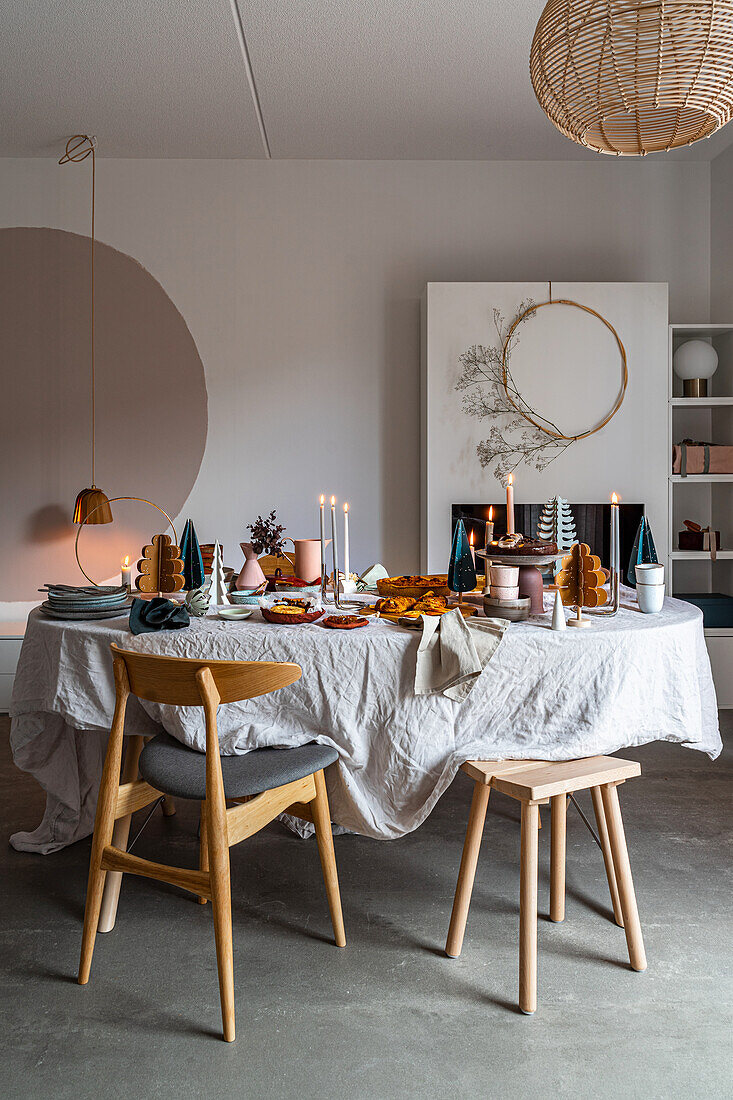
{"type": "Point", "coordinates": [705, 498]}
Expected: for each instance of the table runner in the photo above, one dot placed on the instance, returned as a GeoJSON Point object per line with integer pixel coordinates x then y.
{"type": "Point", "coordinates": [556, 696]}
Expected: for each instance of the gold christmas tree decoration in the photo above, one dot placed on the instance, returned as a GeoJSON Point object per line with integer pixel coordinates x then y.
{"type": "Point", "coordinates": [580, 582]}
{"type": "Point", "coordinates": [160, 567]}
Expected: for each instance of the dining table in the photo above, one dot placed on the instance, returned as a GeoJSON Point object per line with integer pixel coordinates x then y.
{"type": "Point", "coordinates": [553, 695]}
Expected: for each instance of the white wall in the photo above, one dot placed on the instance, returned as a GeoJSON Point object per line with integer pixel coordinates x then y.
{"type": "Point", "coordinates": [301, 282]}
{"type": "Point", "coordinates": [721, 237]}
{"type": "Point", "coordinates": [567, 365]}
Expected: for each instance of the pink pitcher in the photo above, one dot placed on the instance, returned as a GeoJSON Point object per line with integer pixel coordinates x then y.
{"type": "Point", "coordinates": [251, 575]}
{"type": "Point", "coordinates": [307, 561]}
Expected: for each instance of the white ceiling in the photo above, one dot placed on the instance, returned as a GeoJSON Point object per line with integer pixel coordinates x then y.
{"type": "Point", "coordinates": [363, 79]}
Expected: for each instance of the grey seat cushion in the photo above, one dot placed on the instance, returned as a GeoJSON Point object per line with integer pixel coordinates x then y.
{"type": "Point", "coordinates": [179, 771]}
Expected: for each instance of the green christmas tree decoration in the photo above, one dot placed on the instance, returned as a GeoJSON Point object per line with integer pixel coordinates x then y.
{"type": "Point", "coordinates": [462, 569]}
{"type": "Point", "coordinates": [193, 563]}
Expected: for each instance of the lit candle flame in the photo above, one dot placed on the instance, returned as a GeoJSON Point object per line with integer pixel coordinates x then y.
{"type": "Point", "coordinates": [614, 498]}
{"type": "Point", "coordinates": [491, 512]}
{"type": "Point", "coordinates": [322, 498]}
{"type": "Point", "coordinates": [346, 507]}
{"type": "Point", "coordinates": [511, 479]}
{"type": "Point", "coordinates": [126, 562]}
{"type": "Point", "coordinates": [470, 539]}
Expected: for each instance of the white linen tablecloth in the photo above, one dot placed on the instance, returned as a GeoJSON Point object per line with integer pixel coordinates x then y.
{"type": "Point", "coordinates": [551, 695]}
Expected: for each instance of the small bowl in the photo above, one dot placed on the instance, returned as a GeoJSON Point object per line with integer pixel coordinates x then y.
{"type": "Point", "coordinates": [498, 592]}
{"type": "Point", "coordinates": [246, 597]}
{"type": "Point", "coordinates": [650, 598]}
{"type": "Point", "coordinates": [504, 576]}
{"type": "Point", "coordinates": [649, 573]}
{"type": "Point", "coordinates": [234, 614]}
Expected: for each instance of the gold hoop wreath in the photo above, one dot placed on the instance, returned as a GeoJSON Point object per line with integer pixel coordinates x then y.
{"type": "Point", "coordinates": [504, 368]}
{"type": "Point", "coordinates": [141, 500]}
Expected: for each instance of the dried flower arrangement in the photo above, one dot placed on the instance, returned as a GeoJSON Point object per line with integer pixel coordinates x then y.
{"type": "Point", "coordinates": [490, 394]}
{"type": "Point", "coordinates": [267, 535]}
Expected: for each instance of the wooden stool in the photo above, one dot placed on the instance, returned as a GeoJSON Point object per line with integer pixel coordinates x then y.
{"type": "Point", "coordinates": [533, 783]}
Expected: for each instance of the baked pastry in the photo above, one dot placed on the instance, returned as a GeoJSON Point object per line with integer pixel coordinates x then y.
{"type": "Point", "coordinates": [287, 609]}
{"type": "Point", "coordinates": [394, 605]}
{"type": "Point", "coordinates": [344, 622]}
{"type": "Point", "coordinates": [431, 603]}
{"type": "Point", "coordinates": [417, 582]}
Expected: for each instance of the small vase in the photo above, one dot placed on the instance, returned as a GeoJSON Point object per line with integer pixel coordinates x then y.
{"type": "Point", "coordinates": [251, 575]}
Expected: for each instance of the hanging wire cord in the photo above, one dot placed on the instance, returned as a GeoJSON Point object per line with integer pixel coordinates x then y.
{"type": "Point", "coordinates": [78, 148]}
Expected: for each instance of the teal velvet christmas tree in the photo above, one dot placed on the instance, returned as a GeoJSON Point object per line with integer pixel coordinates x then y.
{"type": "Point", "coordinates": [644, 550]}
{"type": "Point", "coordinates": [193, 563]}
{"type": "Point", "coordinates": [462, 569]}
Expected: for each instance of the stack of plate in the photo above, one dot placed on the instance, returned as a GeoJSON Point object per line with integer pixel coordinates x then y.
{"type": "Point", "coordinates": [91, 602]}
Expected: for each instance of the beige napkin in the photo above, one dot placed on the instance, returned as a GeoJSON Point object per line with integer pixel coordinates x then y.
{"type": "Point", "coordinates": [453, 653]}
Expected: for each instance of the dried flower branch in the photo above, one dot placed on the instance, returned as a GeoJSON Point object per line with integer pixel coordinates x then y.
{"type": "Point", "coordinates": [487, 396]}
{"type": "Point", "coordinates": [267, 534]}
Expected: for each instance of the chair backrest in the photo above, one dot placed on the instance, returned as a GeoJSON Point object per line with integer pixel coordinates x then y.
{"type": "Point", "coordinates": [173, 679]}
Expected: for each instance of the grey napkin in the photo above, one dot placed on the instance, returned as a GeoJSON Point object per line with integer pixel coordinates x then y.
{"type": "Point", "coordinates": [453, 653]}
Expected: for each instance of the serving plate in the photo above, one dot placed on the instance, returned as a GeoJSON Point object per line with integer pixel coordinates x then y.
{"type": "Point", "coordinates": [520, 559]}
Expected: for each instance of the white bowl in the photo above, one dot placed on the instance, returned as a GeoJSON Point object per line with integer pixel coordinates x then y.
{"type": "Point", "coordinates": [234, 614]}
{"type": "Point", "coordinates": [504, 576]}
{"type": "Point", "coordinates": [650, 597]}
{"type": "Point", "coordinates": [649, 573]}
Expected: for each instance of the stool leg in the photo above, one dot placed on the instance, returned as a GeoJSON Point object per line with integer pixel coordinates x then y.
{"type": "Point", "coordinates": [324, 837]}
{"type": "Point", "coordinates": [558, 813]}
{"type": "Point", "coordinates": [600, 813]}
{"type": "Point", "coordinates": [467, 873]}
{"type": "Point", "coordinates": [169, 807]}
{"type": "Point", "coordinates": [528, 911]}
{"type": "Point", "coordinates": [203, 846]}
{"type": "Point", "coordinates": [120, 836]}
{"type": "Point", "coordinates": [627, 897]}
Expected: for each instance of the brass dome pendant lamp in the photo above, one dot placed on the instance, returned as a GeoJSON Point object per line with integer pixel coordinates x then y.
{"type": "Point", "coordinates": [92, 505]}
{"type": "Point", "coordinates": [631, 77]}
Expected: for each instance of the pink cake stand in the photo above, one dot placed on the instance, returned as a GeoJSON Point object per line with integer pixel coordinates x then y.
{"type": "Point", "coordinates": [530, 577]}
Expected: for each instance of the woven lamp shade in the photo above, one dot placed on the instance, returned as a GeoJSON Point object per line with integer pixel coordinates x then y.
{"type": "Point", "coordinates": [631, 77]}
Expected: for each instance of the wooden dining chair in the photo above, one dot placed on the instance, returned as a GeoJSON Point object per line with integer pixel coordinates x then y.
{"type": "Point", "coordinates": [269, 781]}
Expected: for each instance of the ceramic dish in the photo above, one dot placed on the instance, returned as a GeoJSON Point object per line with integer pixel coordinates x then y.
{"type": "Point", "coordinates": [234, 614]}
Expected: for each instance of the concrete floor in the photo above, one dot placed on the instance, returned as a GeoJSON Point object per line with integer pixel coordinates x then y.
{"type": "Point", "coordinates": [389, 1016]}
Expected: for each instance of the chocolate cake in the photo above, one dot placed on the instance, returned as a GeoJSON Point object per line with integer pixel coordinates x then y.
{"type": "Point", "coordinates": [519, 546]}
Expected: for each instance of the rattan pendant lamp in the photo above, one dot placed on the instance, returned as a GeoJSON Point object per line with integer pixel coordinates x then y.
{"type": "Point", "coordinates": [630, 77]}
{"type": "Point", "coordinates": [92, 505]}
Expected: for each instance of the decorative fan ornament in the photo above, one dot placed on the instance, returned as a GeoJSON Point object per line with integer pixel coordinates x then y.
{"type": "Point", "coordinates": [630, 77]}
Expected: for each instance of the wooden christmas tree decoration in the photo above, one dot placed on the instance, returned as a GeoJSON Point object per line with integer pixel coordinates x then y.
{"type": "Point", "coordinates": [160, 567]}
{"type": "Point", "coordinates": [193, 563]}
{"type": "Point", "coordinates": [218, 586]}
{"type": "Point", "coordinates": [556, 524]}
{"type": "Point", "coordinates": [580, 582]}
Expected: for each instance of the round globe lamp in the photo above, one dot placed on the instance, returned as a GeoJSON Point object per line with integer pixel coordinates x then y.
{"type": "Point", "coordinates": [695, 362]}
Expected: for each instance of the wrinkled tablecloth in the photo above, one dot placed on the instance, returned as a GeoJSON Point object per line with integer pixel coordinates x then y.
{"type": "Point", "coordinates": [551, 695]}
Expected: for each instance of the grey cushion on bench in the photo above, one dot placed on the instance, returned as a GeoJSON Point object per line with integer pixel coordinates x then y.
{"type": "Point", "coordinates": [177, 770]}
